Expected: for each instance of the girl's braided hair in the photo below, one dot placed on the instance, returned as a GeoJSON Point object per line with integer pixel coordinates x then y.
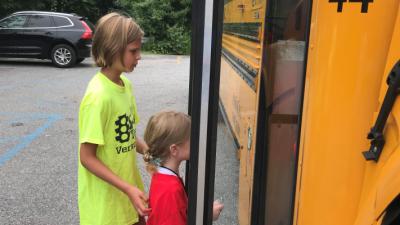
{"type": "Point", "coordinates": [163, 130]}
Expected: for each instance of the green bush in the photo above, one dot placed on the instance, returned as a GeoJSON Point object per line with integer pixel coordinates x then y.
{"type": "Point", "coordinates": [166, 25]}
{"type": "Point", "coordinates": [177, 42]}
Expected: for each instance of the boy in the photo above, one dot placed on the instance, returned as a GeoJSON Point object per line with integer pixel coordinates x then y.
{"type": "Point", "coordinates": [110, 189]}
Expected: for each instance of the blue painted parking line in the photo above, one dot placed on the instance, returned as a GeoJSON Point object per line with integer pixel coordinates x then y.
{"type": "Point", "coordinates": [26, 140]}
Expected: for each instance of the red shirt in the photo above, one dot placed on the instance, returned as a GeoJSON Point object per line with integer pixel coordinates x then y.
{"type": "Point", "coordinates": [168, 201]}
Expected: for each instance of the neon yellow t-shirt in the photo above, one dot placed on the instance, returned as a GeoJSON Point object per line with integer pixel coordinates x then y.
{"type": "Point", "coordinates": [108, 118]}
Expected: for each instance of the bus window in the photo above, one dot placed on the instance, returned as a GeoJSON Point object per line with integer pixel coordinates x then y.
{"type": "Point", "coordinates": [284, 72]}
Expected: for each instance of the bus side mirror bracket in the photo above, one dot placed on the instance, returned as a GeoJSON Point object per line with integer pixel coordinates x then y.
{"type": "Point", "coordinates": [376, 133]}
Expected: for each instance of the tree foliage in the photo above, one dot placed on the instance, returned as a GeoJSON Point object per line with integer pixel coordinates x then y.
{"type": "Point", "coordinates": [166, 23]}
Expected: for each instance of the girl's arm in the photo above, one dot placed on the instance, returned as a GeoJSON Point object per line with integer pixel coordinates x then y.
{"type": "Point", "coordinates": [217, 208]}
{"type": "Point", "coordinates": [90, 161]}
{"type": "Point", "coordinates": [141, 145]}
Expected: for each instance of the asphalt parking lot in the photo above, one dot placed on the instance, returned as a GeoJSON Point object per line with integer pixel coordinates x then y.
{"type": "Point", "coordinates": [38, 134]}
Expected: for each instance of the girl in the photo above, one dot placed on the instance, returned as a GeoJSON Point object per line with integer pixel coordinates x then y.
{"type": "Point", "coordinates": [168, 137]}
{"type": "Point", "coordinates": [110, 189]}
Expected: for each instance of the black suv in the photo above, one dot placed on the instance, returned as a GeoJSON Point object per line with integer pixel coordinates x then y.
{"type": "Point", "coordinates": [64, 38]}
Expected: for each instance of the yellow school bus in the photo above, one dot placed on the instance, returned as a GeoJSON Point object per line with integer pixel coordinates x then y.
{"type": "Point", "coordinates": [308, 91]}
{"type": "Point", "coordinates": [240, 67]}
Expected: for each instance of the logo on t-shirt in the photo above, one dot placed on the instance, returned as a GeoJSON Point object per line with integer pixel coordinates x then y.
{"type": "Point", "coordinates": [125, 130]}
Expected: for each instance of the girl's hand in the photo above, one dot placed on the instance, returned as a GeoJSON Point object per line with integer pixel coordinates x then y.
{"type": "Point", "coordinates": [139, 200]}
{"type": "Point", "coordinates": [217, 208]}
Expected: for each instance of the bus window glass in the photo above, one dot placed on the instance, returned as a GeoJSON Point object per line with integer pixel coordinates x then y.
{"type": "Point", "coordinates": [285, 50]}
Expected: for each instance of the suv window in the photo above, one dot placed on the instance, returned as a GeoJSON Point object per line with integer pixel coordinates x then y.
{"type": "Point", "coordinates": [13, 22]}
{"type": "Point", "coordinates": [39, 21]}
{"type": "Point", "coordinates": [61, 21]}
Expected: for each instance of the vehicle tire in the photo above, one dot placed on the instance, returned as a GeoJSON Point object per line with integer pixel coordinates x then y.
{"type": "Point", "coordinates": [63, 56]}
{"type": "Point", "coordinates": [79, 60]}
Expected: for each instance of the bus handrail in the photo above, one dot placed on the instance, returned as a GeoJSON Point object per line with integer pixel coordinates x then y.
{"type": "Point", "coordinates": [376, 133]}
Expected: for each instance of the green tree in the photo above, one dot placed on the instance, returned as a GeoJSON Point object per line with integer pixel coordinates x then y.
{"type": "Point", "coordinates": [92, 9]}
{"type": "Point", "coordinates": [10, 6]}
{"type": "Point", "coordinates": [166, 24]}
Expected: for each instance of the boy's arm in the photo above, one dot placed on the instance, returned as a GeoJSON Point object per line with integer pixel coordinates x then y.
{"type": "Point", "coordinates": [141, 145]}
{"type": "Point", "coordinates": [90, 161]}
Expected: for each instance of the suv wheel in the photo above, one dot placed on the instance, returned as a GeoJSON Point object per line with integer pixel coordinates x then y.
{"type": "Point", "coordinates": [63, 56]}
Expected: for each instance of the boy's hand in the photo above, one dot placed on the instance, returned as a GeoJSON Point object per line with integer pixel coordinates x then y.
{"type": "Point", "coordinates": [139, 200]}
{"type": "Point", "coordinates": [217, 208]}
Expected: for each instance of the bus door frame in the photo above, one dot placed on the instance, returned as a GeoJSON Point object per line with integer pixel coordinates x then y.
{"type": "Point", "coordinates": [205, 64]}
{"type": "Point", "coordinates": [203, 107]}
{"type": "Point", "coordinates": [259, 204]}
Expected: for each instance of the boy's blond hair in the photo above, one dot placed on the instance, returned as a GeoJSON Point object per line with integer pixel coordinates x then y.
{"type": "Point", "coordinates": [112, 34]}
{"type": "Point", "coordinates": [163, 130]}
